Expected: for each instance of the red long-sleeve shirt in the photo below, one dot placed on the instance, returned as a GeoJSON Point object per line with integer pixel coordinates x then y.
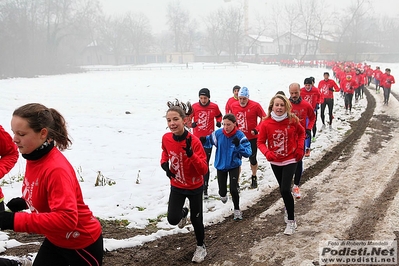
{"type": "Point", "coordinates": [204, 117]}
{"type": "Point", "coordinates": [387, 80]}
{"type": "Point", "coordinates": [304, 110]}
{"type": "Point", "coordinates": [52, 192]}
{"type": "Point", "coordinates": [312, 96]}
{"type": "Point", "coordinates": [229, 102]}
{"type": "Point", "coordinates": [9, 155]}
{"type": "Point", "coordinates": [349, 86]}
{"type": "Point", "coordinates": [325, 87]}
{"type": "Point", "coordinates": [281, 138]}
{"type": "Point", "coordinates": [188, 171]}
{"type": "Point", "coordinates": [247, 117]}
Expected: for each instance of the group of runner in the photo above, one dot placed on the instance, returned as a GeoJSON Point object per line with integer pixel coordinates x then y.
{"type": "Point", "coordinates": [283, 135]}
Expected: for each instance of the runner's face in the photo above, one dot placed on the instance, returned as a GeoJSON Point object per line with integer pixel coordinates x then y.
{"type": "Point", "coordinates": [235, 92]}
{"type": "Point", "coordinates": [203, 99]}
{"type": "Point", "coordinates": [279, 107]}
{"type": "Point", "coordinates": [294, 93]}
{"type": "Point", "coordinates": [308, 86]}
{"type": "Point", "coordinates": [26, 139]}
{"type": "Point", "coordinates": [228, 125]}
{"type": "Point", "coordinates": [175, 123]}
{"type": "Point", "coordinates": [243, 101]}
{"type": "Point", "coordinates": [326, 77]}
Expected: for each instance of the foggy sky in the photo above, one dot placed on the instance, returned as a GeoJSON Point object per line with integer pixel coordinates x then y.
{"type": "Point", "coordinates": [155, 10]}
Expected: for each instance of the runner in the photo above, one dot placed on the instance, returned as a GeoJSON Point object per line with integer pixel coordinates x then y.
{"type": "Point", "coordinates": [327, 88]}
{"type": "Point", "coordinates": [377, 76]}
{"type": "Point", "coordinates": [386, 82]}
{"type": "Point", "coordinates": [231, 145]}
{"type": "Point", "coordinates": [304, 111]}
{"type": "Point", "coordinates": [312, 95]}
{"type": "Point", "coordinates": [283, 152]}
{"type": "Point", "coordinates": [188, 159]}
{"type": "Point", "coordinates": [349, 85]}
{"type": "Point", "coordinates": [232, 99]}
{"type": "Point", "coordinates": [247, 113]}
{"type": "Point", "coordinates": [204, 115]}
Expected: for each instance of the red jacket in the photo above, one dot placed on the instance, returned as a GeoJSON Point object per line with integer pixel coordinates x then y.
{"type": "Point", "coordinates": [282, 138]}
{"type": "Point", "coordinates": [9, 155]}
{"type": "Point", "coordinates": [377, 74]}
{"type": "Point", "coordinates": [360, 79]}
{"type": "Point", "coordinates": [230, 101]}
{"type": "Point", "coordinates": [312, 96]}
{"type": "Point", "coordinates": [188, 171]}
{"type": "Point", "coordinates": [304, 110]}
{"type": "Point", "coordinates": [205, 117]}
{"type": "Point", "coordinates": [327, 88]}
{"type": "Point", "coordinates": [52, 192]}
{"type": "Point", "coordinates": [349, 86]}
{"type": "Point", "coordinates": [247, 117]}
{"type": "Point", "coordinates": [387, 80]}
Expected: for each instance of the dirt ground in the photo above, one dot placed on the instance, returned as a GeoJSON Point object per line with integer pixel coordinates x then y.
{"type": "Point", "coordinates": [330, 208]}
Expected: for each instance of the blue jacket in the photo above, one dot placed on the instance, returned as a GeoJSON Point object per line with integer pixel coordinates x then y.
{"type": "Point", "coordinates": [227, 155]}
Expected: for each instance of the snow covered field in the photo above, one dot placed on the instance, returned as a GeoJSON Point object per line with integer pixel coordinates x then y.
{"type": "Point", "coordinates": [116, 121]}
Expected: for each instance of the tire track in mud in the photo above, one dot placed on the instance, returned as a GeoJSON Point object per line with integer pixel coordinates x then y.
{"type": "Point", "coordinates": [373, 213]}
{"type": "Point", "coordinates": [231, 240]}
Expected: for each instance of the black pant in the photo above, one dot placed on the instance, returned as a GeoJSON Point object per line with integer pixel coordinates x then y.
{"type": "Point", "coordinates": [314, 128]}
{"type": "Point", "coordinates": [8, 262]}
{"type": "Point", "coordinates": [254, 148]}
{"type": "Point", "coordinates": [177, 198]}
{"type": "Point", "coordinates": [387, 92]}
{"type": "Point", "coordinates": [348, 101]}
{"type": "Point", "coordinates": [284, 176]}
{"type": "Point", "coordinates": [50, 255]}
{"type": "Point", "coordinates": [330, 103]}
{"type": "Point", "coordinates": [222, 181]}
{"type": "Point", "coordinates": [208, 152]}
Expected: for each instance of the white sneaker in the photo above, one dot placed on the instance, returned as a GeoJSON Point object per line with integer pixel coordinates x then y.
{"type": "Point", "coordinates": [291, 226]}
{"type": "Point", "coordinates": [199, 254]}
{"type": "Point", "coordinates": [296, 192]}
{"type": "Point", "coordinates": [237, 215]}
{"type": "Point", "coordinates": [183, 220]}
{"type": "Point", "coordinates": [25, 261]}
{"type": "Point", "coordinates": [224, 199]}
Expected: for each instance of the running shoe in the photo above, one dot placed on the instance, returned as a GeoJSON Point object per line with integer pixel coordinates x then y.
{"type": "Point", "coordinates": [199, 254]}
{"type": "Point", "coordinates": [290, 228]}
{"type": "Point", "coordinates": [296, 192]}
{"type": "Point", "coordinates": [307, 152]}
{"type": "Point", "coordinates": [237, 215]}
{"type": "Point", "coordinates": [183, 220]}
{"type": "Point", "coordinates": [224, 199]}
{"type": "Point", "coordinates": [254, 181]}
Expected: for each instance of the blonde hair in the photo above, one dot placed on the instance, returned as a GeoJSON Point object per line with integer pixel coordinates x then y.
{"type": "Point", "coordinates": [288, 107]}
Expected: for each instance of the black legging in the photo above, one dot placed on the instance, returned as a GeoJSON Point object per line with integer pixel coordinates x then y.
{"type": "Point", "coordinates": [284, 176]}
{"type": "Point", "coordinates": [50, 254]}
{"type": "Point", "coordinates": [254, 148]}
{"type": "Point", "coordinates": [330, 103]}
{"type": "Point", "coordinates": [222, 181]}
{"type": "Point", "coordinates": [314, 129]}
{"type": "Point", "coordinates": [208, 152]}
{"type": "Point", "coordinates": [177, 198]}
{"type": "Point", "coordinates": [348, 101]}
{"type": "Point", "coordinates": [387, 92]}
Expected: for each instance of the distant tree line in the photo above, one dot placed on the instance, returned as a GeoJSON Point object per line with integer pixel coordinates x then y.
{"type": "Point", "coordinates": [48, 36]}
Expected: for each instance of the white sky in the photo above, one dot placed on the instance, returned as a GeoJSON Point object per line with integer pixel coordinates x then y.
{"type": "Point", "coordinates": [155, 10]}
{"type": "Point", "coordinates": [120, 145]}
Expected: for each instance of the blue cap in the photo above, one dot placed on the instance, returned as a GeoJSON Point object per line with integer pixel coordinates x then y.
{"type": "Point", "coordinates": [243, 92]}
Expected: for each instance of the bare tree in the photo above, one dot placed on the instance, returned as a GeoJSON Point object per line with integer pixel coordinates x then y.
{"type": "Point", "coordinates": [215, 32]}
{"type": "Point", "coordinates": [139, 36]}
{"type": "Point", "coordinates": [177, 20]}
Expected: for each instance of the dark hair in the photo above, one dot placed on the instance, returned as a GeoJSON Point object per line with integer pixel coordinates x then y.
{"type": "Point", "coordinates": [184, 109]}
{"type": "Point", "coordinates": [230, 117]}
{"type": "Point", "coordinates": [236, 87]}
{"type": "Point", "coordinates": [39, 117]}
{"type": "Point", "coordinates": [280, 92]}
{"type": "Point", "coordinates": [307, 81]}
{"type": "Point", "coordinates": [326, 73]}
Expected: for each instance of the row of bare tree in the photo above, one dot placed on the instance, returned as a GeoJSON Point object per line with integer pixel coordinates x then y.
{"type": "Point", "coordinates": [48, 36]}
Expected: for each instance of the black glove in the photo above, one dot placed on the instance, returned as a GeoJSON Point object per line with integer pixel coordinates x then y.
{"type": "Point", "coordinates": [6, 220]}
{"type": "Point", "coordinates": [17, 204]}
{"type": "Point", "coordinates": [202, 139]}
{"type": "Point", "coordinates": [255, 131]}
{"type": "Point", "coordinates": [193, 124]}
{"type": "Point", "coordinates": [331, 89]}
{"type": "Point", "coordinates": [165, 167]}
{"type": "Point", "coordinates": [218, 124]}
{"type": "Point", "coordinates": [308, 133]}
{"type": "Point", "coordinates": [236, 141]}
{"type": "Point", "coordinates": [188, 149]}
